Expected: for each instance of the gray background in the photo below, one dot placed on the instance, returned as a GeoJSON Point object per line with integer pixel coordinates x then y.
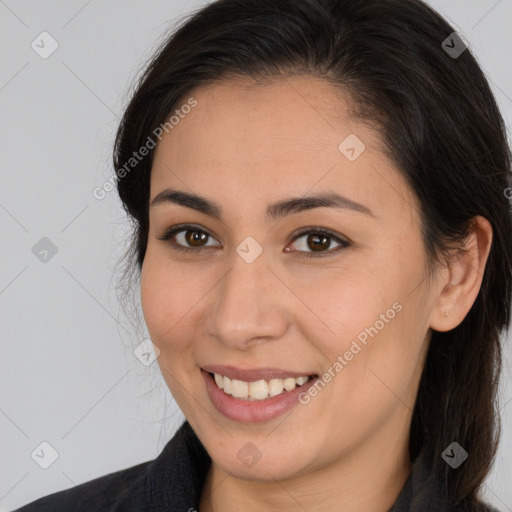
{"type": "Point", "coordinates": [68, 374]}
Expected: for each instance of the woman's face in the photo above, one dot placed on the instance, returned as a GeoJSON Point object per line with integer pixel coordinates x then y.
{"type": "Point", "coordinates": [254, 299]}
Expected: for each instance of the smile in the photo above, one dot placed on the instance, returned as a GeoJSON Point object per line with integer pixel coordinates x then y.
{"type": "Point", "coordinates": [254, 395]}
{"type": "Point", "coordinates": [257, 390]}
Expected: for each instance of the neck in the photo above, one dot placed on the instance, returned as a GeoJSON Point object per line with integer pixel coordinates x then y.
{"type": "Point", "coordinates": [369, 478]}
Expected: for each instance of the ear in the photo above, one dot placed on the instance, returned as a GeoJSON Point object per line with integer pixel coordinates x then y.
{"type": "Point", "coordinates": [463, 278]}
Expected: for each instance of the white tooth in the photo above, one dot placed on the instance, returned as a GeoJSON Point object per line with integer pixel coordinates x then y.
{"type": "Point", "coordinates": [275, 386]}
{"type": "Point", "coordinates": [226, 385]}
{"type": "Point", "coordinates": [258, 389]}
{"type": "Point", "coordinates": [239, 388]}
{"type": "Point", "coordinates": [289, 383]}
{"type": "Point", "coordinates": [219, 379]}
{"type": "Point", "coordinates": [302, 380]}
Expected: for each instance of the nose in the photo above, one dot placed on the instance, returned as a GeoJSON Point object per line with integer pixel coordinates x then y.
{"type": "Point", "coordinates": [250, 306]}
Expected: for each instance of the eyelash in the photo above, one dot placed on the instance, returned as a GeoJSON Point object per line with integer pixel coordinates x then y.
{"type": "Point", "coordinates": [169, 233]}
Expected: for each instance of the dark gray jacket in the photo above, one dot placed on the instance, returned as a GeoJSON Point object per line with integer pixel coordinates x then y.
{"type": "Point", "coordinates": [174, 480]}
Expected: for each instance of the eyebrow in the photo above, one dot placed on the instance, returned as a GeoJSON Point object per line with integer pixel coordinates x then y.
{"type": "Point", "coordinates": [274, 211]}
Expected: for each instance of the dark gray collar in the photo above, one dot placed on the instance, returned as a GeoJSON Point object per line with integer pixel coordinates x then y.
{"type": "Point", "coordinates": [422, 492]}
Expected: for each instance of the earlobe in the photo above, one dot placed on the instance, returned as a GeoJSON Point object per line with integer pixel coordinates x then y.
{"type": "Point", "coordinates": [466, 269]}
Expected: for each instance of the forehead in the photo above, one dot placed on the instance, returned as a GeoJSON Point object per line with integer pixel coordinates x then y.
{"type": "Point", "coordinates": [283, 135]}
{"type": "Point", "coordinates": [278, 115]}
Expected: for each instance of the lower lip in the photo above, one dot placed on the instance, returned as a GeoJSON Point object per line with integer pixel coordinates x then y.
{"type": "Point", "coordinates": [247, 411]}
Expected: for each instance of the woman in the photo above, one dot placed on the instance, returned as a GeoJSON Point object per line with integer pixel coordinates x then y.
{"type": "Point", "coordinates": [324, 245]}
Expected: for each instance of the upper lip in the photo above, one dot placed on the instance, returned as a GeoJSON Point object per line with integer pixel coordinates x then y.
{"type": "Point", "coordinates": [254, 374]}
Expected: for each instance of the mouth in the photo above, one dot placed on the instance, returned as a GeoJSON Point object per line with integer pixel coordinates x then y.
{"type": "Point", "coordinates": [249, 396]}
{"type": "Point", "coordinates": [258, 390]}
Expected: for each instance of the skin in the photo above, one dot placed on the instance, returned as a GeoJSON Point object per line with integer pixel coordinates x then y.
{"type": "Point", "coordinates": [245, 146]}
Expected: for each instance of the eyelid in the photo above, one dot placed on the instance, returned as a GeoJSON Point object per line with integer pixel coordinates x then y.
{"type": "Point", "coordinates": [343, 242]}
{"type": "Point", "coordinates": [173, 230]}
{"type": "Point", "coordinates": [320, 230]}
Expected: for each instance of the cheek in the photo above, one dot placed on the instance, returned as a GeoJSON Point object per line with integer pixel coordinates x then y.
{"type": "Point", "coordinates": [345, 302]}
{"type": "Point", "coordinates": [381, 342]}
{"type": "Point", "coordinates": [372, 320]}
{"type": "Point", "coordinates": [168, 296]}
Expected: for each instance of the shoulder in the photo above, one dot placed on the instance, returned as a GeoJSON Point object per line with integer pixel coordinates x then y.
{"type": "Point", "coordinates": [106, 493]}
{"type": "Point", "coordinates": [475, 504]}
{"type": "Point", "coordinates": [481, 506]}
{"type": "Point", "coordinates": [172, 481]}
{"type": "Point", "coordinates": [425, 491]}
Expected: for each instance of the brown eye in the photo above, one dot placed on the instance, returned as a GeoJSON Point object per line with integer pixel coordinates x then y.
{"type": "Point", "coordinates": [317, 241]}
{"type": "Point", "coordinates": [195, 238]}
{"type": "Point", "coordinates": [187, 238]}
